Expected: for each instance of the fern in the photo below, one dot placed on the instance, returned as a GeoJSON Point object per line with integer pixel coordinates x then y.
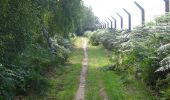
{"type": "Point", "coordinates": [163, 51]}
{"type": "Point", "coordinates": [164, 48]}
{"type": "Point", "coordinates": [8, 80]}
{"type": "Point", "coordinates": [165, 64]}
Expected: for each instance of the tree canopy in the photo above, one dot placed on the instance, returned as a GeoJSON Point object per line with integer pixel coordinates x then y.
{"type": "Point", "coordinates": [34, 33]}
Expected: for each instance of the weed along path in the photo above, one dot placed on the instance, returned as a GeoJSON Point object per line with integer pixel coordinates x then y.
{"type": "Point", "coordinates": [81, 90]}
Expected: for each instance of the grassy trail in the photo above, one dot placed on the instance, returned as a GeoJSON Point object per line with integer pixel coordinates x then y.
{"type": "Point", "coordinates": [109, 81]}
{"type": "Point", "coordinates": [100, 84]}
{"type": "Point", "coordinates": [98, 79]}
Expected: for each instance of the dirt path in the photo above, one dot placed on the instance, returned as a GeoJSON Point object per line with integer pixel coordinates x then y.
{"type": "Point", "coordinates": [81, 90]}
{"type": "Point", "coordinates": [103, 94]}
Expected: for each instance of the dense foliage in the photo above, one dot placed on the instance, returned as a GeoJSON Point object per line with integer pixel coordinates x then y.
{"type": "Point", "coordinates": [34, 37]}
{"type": "Point", "coordinates": [142, 54]}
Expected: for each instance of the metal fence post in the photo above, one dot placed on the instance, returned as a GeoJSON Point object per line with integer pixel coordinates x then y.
{"type": "Point", "coordinates": [143, 12]}
{"type": "Point", "coordinates": [129, 17]}
{"type": "Point", "coordinates": [166, 6]}
{"type": "Point", "coordinates": [114, 22]}
{"type": "Point", "coordinates": [107, 23]}
{"type": "Point", "coordinates": [121, 19]}
{"type": "Point", "coordinates": [111, 23]}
